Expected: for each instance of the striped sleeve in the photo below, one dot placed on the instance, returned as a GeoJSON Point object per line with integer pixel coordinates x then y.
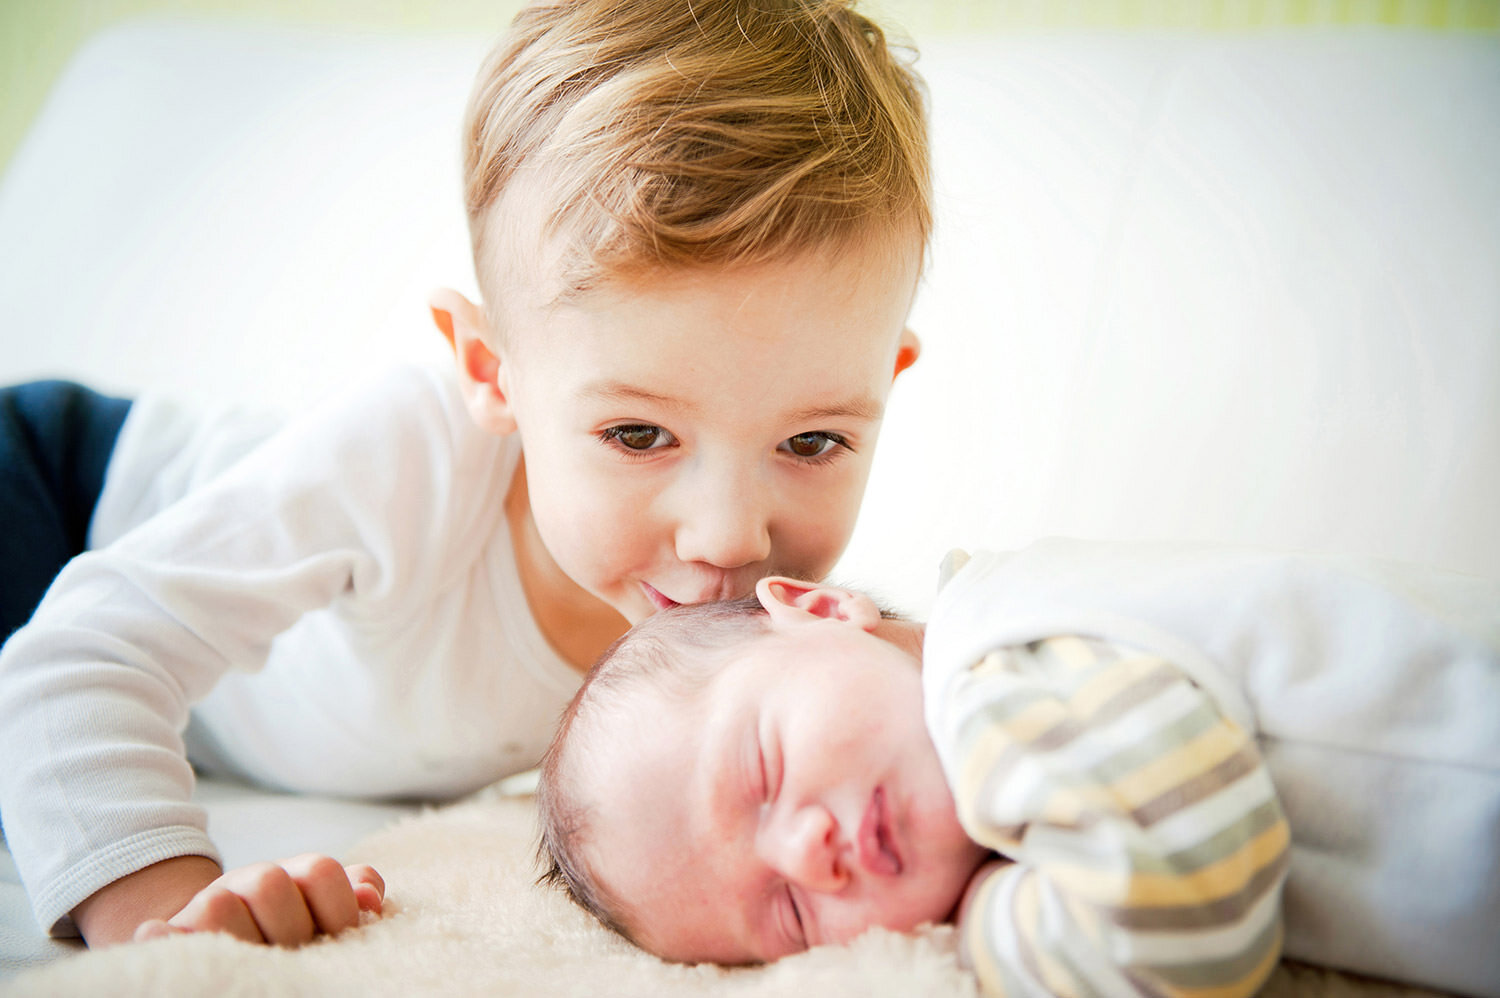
{"type": "Point", "coordinates": [1148, 847]}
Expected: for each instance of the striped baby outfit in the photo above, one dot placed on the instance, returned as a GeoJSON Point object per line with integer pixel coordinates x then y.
{"type": "Point", "coordinates": [1148, 845]}
{"type": "Point", "coordinates": [1112, 717]}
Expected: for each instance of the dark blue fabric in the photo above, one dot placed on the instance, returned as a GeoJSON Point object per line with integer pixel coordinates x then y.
{"type": "Point", "coordinates": [55, 442]}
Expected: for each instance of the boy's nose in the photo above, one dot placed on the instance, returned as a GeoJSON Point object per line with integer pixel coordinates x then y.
{"type": "Point", "coordinates": [724, 523]}
{"type": "Point", "coordinates": [803, 847]}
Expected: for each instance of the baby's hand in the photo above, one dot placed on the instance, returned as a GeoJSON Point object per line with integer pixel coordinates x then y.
{"type": "Point", "coordinates": [984, 873]}
{"type": "Point", "coordinates": [285, 904]}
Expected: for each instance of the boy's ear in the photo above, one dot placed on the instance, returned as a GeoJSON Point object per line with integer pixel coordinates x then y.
{"type": "Point", "coordinates": [908, 349]}
{"type": "Point", "coordinates": [480, 379]}
{"type": "Point", "coordinates": [792, 601]}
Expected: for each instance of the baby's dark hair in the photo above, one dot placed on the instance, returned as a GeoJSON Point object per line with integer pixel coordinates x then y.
{"type": "Point", "coordinates": [675, 652]}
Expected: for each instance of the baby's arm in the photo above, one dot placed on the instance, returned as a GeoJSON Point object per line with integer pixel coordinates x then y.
{"type": "Point", "coordinates": [1149, 846]}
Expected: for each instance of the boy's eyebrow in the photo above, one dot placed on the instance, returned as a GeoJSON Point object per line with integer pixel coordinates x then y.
{"type": "Point", "coordinates": [618, 391]}
{"type": "Point", "coordinates": [861, 407]}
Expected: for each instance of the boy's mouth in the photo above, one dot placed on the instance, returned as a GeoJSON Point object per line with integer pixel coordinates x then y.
{"type": "Point", "coordinates": [877, 847]}
{"type": "Point", "coordinates": [657, 599]}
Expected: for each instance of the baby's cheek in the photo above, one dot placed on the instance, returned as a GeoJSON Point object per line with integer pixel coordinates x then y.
{"type": "Point", "coordinates": [881, 907]}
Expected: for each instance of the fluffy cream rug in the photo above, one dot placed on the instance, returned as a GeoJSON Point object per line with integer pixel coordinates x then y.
{"type": "Point", "coordinates": [463, 917]}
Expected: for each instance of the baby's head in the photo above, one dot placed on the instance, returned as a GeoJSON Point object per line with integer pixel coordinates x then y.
{"type": "Point", "coordinates": [739, 781]}
{"type": "Point", "coordinates": [698, 229]}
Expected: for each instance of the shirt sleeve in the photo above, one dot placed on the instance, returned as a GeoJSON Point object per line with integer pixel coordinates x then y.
{"type": "Point", "coordinates": [1148, 845]}
{"type": "Point", "coordinates": [343, 505]}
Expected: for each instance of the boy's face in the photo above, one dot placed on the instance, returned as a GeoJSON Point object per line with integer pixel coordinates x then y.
{"type": "Point", "coordinates": [795, 800]}
{"type": "Point", "coordinates": [688, 433]}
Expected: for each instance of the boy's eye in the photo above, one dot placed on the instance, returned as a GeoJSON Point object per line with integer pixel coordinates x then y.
{"type": "Point", "coordinates": [816, 444]}
{"type": "Point", "coordinates": [638, 436]}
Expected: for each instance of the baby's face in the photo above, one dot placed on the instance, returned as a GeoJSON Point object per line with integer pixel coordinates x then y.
{"type": "Point", "coordinates": [690, 432]}
{"type": "Point", "coordinates": [796, 800]}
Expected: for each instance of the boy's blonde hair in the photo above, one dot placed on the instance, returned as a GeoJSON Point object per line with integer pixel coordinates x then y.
{"type": "Point", "coordinates": [667, 133]}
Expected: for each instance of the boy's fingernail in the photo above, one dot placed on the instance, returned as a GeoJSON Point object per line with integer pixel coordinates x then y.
{"type": "Point", "coordinates": [368, 897]}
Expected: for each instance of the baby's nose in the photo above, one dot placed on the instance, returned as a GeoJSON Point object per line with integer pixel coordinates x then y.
{"type": "Point", "coordinates": [806, 850]}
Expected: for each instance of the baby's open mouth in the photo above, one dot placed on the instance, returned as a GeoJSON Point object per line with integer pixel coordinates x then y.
{"type": "Point", "coordinates": [877, 848]}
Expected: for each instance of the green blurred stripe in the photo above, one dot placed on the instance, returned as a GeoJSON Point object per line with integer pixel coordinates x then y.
{"type": "Point", "coordinates": [921, 17]}
{"type": "Point", "coordinates": [38, 36]}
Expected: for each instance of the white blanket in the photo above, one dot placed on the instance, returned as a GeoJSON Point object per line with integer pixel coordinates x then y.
{"type": "Point", "coordinates": [463, 916]}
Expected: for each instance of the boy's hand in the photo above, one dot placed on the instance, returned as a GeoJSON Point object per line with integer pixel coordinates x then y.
{"type": "Point", "coordinates": [284, 904]}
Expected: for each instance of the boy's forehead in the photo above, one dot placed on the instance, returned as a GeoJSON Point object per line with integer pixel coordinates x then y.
{"type": "Point", "coordinates": [532, 264]}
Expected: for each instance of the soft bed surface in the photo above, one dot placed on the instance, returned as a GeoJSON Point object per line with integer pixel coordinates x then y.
{"type": "Point", "coordinates": [463, 916]}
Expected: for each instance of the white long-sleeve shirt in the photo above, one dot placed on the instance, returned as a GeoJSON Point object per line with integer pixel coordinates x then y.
{"type": "Point", "coordinates": [338, 612]}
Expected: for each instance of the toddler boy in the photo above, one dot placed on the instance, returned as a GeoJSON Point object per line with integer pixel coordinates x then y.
{"type": "Point", "coordinates": [1086, 797]}
{"type": "Point", "coordinates": [698, 230]}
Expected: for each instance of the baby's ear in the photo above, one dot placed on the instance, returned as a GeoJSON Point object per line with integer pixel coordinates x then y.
{"type": "Point", "coordinates": [792, 601]}
{"type": "Point", "coordinates": [464, 326]}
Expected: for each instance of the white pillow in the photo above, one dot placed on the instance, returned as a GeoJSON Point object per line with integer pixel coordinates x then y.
{"type": "Point", "coordinates": [1204, 287]}
{"type": "Point", "coordinates": [236, 211]}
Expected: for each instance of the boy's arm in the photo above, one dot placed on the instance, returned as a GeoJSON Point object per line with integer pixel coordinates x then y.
{"type": "Point", "coordinates": [95, 691]}
{"type": "Point", "coordinates": [1149, 846]}
{"type": "Point", "coordinates": [114, 912]}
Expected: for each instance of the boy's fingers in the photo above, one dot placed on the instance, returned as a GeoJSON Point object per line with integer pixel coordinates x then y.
{"type": "Point", "coordinates": [369, 886]}
{"type": "Point", "coordinates": [153, 929]}
{"type": "Point", "coordinates": [326, 890]}
{"type": "Point", "coordinates": [283, 904]}
{"type": "Point", "coordinates": [218, 909]}
{"type": "Point", "coordinates": [368, 898]}
{"type": "Point", "coordinates": [274, 901]}
{"type": "Point", "coordinates": [156, 929]}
